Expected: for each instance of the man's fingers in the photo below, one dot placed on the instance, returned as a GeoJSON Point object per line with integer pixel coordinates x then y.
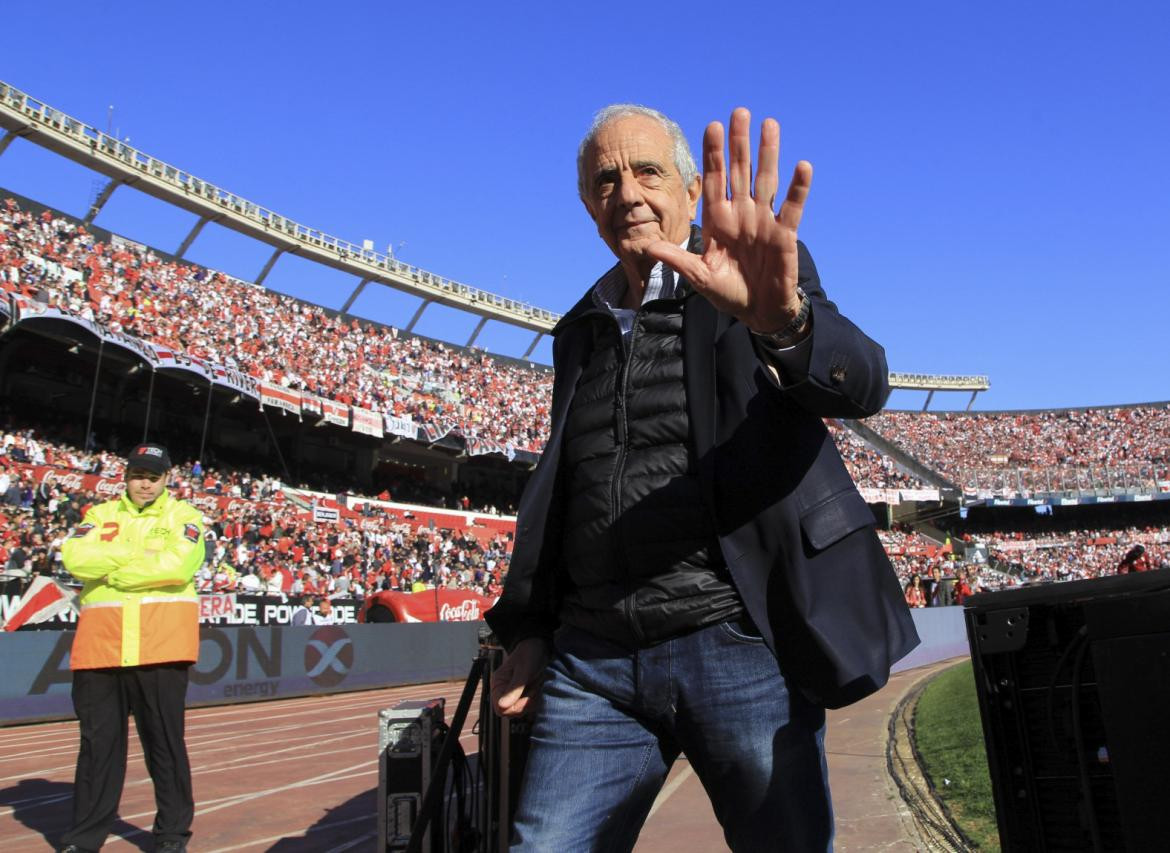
{"type": "Point", "coordinates": [714, 179]}
{"type": "Point", "coordinates": [793, 207]}
{"type": "Point", "coordinates": [739, 144]}
{"type": "Point", "coordinates": [687, 264]}
{"type": "Point", "coordinates": [767, 177]}
{"type": "Point", "coordinates": [515, 709]}
{"type": "Point", "coordinates": [505, 698]}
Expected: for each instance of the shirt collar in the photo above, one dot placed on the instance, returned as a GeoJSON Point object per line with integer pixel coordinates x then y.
{"type": "Point", "coordinates": [662, 284]}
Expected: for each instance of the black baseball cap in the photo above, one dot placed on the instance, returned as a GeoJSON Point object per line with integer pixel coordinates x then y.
{"type": "Point", "coordinates": [149, 457]}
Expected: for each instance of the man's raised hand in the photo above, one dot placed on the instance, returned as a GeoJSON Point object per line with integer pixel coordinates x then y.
{"type": "Point", "coordinates": [749, 266]}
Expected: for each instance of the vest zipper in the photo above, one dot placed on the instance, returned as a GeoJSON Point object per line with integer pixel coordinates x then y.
{"type": "Point", "coordinates": [615, 501]}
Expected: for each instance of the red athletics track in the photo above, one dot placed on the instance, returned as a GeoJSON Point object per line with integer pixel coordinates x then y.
{"type": "Point", "coordinates": [301, 775]}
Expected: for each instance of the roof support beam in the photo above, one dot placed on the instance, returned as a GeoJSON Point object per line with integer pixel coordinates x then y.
{"type": "Point", "coordinates": [417, 314]}
{"type": "Point", "coordinates": [190, 238]}
{"type": "Point", "coordinates": [356, 293]}
{"type": "Point", "coordinates": [268, 267]}
{"type": "Point", "coordinates": [7, 140]}
{"type": "Point", "coordinates": [929, 397]}
{"type": "Point", "coordinates": [100, 201]}
{"type": "Point", "coordinates": [971, 402]}
{"type": "Point", "coordinates": [532, 345]}
{"type": "Point", "coordinates": [478, 328]}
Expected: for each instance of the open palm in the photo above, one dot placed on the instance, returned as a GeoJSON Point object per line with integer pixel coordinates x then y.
{"type": "Point", "coordinates": [749, 266]}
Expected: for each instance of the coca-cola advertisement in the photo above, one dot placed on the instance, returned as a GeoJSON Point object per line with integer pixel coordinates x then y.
{"type": "Point", "coordinates": [72, 480]}
{"type": "Point", "coordinates": [434, 605]}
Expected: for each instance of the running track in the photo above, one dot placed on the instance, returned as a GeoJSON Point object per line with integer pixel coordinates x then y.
{"type": "Point", "coordinates": [301, 775]}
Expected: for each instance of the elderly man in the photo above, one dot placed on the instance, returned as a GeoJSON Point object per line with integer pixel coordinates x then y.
{"type": "Point", "coordinates": [694, 571]}
{"type": "Point", "coordinates": [137, 636]}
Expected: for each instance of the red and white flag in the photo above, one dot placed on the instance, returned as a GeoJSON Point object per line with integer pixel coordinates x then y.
{"type": "Point", "coordinates": [43, 600]}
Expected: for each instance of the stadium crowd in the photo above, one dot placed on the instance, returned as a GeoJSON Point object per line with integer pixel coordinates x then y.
{"type": "Point", "coordinates": [869, 467]}
{"type": "Point", "coordinates": [271, 337]}
{"type": "Point", "coordinates": [272, 545]}
{"type": "Point", "coordinates": [1028, 452]}
{"type": "Point", "coordinates": [1073, 554]}
{"type": "Point", "coordinates": [999, 559]}
{"type": "Point", "coordinates": [260, 542]}
{"type": "Point", "coordinates": [277, 339]}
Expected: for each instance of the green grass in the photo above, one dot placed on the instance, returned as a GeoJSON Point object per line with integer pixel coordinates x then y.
{"type": "Point", "coordinates": [949, 736]}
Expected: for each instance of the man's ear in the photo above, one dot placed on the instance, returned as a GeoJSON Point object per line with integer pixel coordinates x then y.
{"type": "Point", "coordinates": [693, 192]}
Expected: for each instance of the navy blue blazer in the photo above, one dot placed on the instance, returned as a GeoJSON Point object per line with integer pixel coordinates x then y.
{"type": "Point", "coordinates": [797, 536]}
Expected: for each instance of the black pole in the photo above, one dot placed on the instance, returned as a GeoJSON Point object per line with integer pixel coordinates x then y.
{"type": "Point", "coordinates": [433, 797]}
{"type": "Point", "coordinates": [206, 421]}
{"type": "Point", "coordinates": [276, 445]}
{"type": "Point", "coordinates": [93, 396]}
{"type": "Point", "coordinates": [149, 401]}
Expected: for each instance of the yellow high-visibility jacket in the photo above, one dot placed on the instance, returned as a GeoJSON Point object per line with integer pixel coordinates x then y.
{"type": "Point", "coordinates": [138, 602]}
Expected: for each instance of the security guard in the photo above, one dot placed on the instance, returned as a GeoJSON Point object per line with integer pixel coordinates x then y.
{"type": "Point", "coordinates": [136, 638]}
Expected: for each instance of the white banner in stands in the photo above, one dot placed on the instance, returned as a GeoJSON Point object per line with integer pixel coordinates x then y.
{"type": "Point", "coordinates": [335, 413]}
{"type": "Point", "coordinates": [367, 422]}
{"type": "Point", "coordinates": [326, 514]}
{"type": "Point", "coordinates": [404, 427]}
{"type": "Point", "coordinates": [281, 398]}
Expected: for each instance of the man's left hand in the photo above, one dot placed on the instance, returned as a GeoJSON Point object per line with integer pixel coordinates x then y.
{"type": "Point", "coordinates": [749, 266]}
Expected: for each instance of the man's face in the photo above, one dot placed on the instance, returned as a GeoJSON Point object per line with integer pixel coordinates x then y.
{"type": "Point", "coordinates": [144, 486]}
{"type": "Point", "coordinates": [633, 190]}
{"type": "Point", "coordinates": [326, 606]}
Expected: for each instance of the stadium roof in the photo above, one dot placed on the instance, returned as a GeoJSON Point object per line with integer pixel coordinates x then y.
{"type": "Point", "coordinates": [25, 117]}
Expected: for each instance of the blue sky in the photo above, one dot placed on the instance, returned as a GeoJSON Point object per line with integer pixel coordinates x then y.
{"type": "Point", "coordinates": [992, 187]}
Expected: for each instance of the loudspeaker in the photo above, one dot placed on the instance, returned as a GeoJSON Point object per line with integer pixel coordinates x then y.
{"type": "Point", "coordinates": [1074, 694]}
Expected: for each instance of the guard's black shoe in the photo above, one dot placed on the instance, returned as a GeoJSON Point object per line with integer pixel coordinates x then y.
{"type": "Point", "coordinates": [171, 847]}
{"type": "Point", "coordinates": [72, 848]}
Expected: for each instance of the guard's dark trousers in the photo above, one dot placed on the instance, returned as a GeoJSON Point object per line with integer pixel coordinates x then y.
{"type": "Point", "coordinates": [103, 700]}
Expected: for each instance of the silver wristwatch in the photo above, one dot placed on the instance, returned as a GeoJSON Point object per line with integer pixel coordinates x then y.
{"type": "Point", "coordinates": [786, 337]}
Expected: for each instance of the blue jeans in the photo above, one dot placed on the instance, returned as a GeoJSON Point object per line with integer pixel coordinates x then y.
{"type": "Point", "coordinates": [610, 723]}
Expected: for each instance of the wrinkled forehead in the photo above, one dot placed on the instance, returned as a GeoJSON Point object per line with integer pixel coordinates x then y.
{"type": "Point", "coordinates": [628, 140]}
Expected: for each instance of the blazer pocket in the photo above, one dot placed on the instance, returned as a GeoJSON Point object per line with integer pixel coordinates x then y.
{"type": "Point", "coordinates": [835, 517]}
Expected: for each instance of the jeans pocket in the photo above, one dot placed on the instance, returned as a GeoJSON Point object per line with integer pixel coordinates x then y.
{"type": "Point", "coordinates": [741, 631]}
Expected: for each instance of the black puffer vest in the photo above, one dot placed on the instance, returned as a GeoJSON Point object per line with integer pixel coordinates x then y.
{"type": "Point", "coordinates": [641, 557]}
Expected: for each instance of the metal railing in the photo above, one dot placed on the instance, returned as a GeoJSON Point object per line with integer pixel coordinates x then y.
{"type": "Point", "coordinates": [49, 118]}
{"type": "Point", "coordinates": [1133, 478]}
{"type": "Point", "coordinates": [933, 382]}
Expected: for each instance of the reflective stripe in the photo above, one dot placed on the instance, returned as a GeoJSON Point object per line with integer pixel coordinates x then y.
{"type": "Point", "coordinates": [158, 599]}
{"type": "Point", "coordinates": [96, 604]}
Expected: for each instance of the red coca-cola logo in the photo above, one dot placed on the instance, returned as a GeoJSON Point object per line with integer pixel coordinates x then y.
{"type": "Point", "coordinates": [70, 481]}
{"type": "Point", "coordinates": [465, 611]}
{"type": "Point", "coordinates": [109, 487]}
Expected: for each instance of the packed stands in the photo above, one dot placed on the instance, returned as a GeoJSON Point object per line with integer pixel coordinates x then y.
{"type": "Point", "coordinates": [1039, 452]}
{"type": "Point", "coordinates": [270, 337]}
{"type": "Point", "coordinates": [262, 537]}
{"type": "Point", "coordinates": [275, 338]}
{"type": "Point", "coordinates": [868, 466]}
{"type": "Point", "coordinates": [264, 529]}
{"type": "Point", "coordinates": [1073, 554]}
{"type": "Point", "coordinates": [912, 553]}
